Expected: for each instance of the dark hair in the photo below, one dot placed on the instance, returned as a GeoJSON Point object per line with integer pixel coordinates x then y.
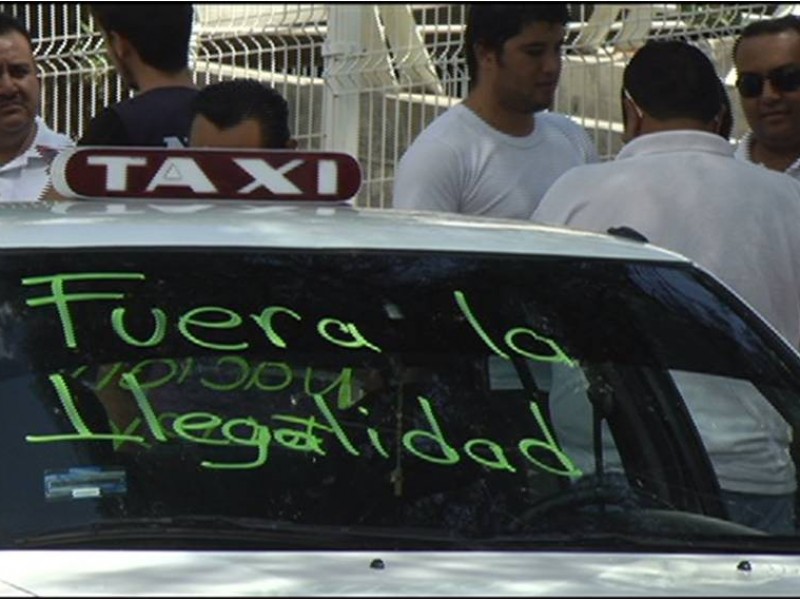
{"type": "Point", "coordinates": [491, 24]}
{"type": "Point", "coordinates": [159, 32]}
{"type": "Point", "coordinates": [228, 103]}
{"type": "Point", "coordinates": [673, 79]}
{"type": "Point", "coordinates": [768, 27]}
{"type": "Point", "coordinates": [9, 23]}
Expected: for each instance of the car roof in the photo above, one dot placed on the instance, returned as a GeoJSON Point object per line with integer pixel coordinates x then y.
{"type": "Point", "coordinates": [101, 224]}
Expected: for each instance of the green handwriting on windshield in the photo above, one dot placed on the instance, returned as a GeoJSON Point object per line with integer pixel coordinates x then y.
{"type": "Point", "coordinates": [229, 373]}
{"type": "Point", "coordinates": [194, 325]}
{"type": "Point", "coordinates": [315, 431]}
{"type": "Point", "coordinates": [199, 324]}
{"type": "Point", "coordinates": [318, 433]}
{"type": "Point", "coordinates": [513, 338]}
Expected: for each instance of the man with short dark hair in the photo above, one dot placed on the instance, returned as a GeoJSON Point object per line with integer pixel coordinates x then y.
{"type": "Point", "coordinates": [497, 152]}
{"type": "Point", "coordinates": [676, 183]}
{"type": "Point", "coordinates": [148, 44]}
{"type": "Point", "coordinates": [240, 113]}
{"type": "Point", "coordinates": [25, 140]}
{"type": "Point", "coordinates": [767, 58]}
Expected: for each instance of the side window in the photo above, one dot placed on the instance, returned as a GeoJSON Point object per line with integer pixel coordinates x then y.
{"type": "Point", "coordinates": [749, 444]}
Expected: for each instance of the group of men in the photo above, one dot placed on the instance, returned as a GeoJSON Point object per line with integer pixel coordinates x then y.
{"type": "Point", "coordinates": [149, 48]}
{"type": "Point", "coordinates": [678, 182]}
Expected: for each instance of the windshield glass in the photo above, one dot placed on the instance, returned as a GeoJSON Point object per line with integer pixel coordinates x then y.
{"type": "Point", "coordinates": [352, 399]}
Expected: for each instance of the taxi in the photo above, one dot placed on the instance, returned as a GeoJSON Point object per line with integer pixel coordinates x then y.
{"type": "Point", "coordinates": [219, 378]}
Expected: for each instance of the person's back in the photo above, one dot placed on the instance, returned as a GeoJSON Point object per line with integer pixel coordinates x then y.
{"type": "Point", "coordinates": [496, 153]}
{"type": "Point", "coordinates": [149, 46]}
{"type": "Point", "coordinates": [161, 117]}
{"type": "Point", "coordinates": [736, 219]}
{"type": "Point", "coordinates": [677, 183]}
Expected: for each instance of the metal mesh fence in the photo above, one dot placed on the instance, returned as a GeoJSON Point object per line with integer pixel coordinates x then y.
{"type": "Point", "coordinates": [367, 78]}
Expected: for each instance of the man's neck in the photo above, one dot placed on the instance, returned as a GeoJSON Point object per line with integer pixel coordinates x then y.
{"type": "Point", "coordinates": [492, 113]}
{"type": "Point", "coordinates": [777, 159]}
{"type": "Point", "coordinates": [150, 79]}
{"type": "Point", "coordinates": [17, 146]}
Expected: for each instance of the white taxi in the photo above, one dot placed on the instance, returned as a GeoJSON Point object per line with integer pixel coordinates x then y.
{"type": "Point", "coordinates": [220, 379]}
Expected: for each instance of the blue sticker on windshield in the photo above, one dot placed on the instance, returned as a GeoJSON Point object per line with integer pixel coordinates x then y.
{"type": "Point", "coordinates": [84, 482]}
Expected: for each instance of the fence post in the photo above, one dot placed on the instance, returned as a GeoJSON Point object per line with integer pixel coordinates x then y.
{"type": "Point", "coordinates": [341, 98]}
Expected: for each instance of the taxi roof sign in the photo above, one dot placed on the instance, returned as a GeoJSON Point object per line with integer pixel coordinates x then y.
{"type": "Point", "coordinates": [205, 173]}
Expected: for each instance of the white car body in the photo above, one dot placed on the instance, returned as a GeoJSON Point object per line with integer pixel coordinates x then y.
{"type": "Point", "coordinates": [373, 573]}
{"type": "Point", "coordinates": [72, 224]}
{"type": "Point", "coordinates": [403, 574]}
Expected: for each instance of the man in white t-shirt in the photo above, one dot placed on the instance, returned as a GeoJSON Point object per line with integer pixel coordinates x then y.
{"type": "Point", "coordinates": [767, 57]}
{"type": "Point", "coordinates": [676, 183]}
{"type": "Point", "coordinates": [26, 143]}
{"type": "Point", "coordinates": [496, 153]}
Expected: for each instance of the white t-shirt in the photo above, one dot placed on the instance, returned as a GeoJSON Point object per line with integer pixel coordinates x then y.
{"type": "Point", "coordinates": [684, 191]}
{"type": "Point", "coordinates": [24, 178]}
{"type": "Point", "coordinates": [743, 153]}
{"type": "Point", "coordinates": [461, 164]}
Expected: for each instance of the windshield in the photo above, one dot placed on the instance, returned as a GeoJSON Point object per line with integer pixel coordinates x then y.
{"type": "Point", "coordinates": [285, 399]}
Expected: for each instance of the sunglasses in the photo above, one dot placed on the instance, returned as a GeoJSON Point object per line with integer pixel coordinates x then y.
{"type": "Point", "coordinates": [783, 79]}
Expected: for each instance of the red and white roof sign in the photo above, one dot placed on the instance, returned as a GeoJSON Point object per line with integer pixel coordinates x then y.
{"type": "Point", "coordinates": [216, 174]}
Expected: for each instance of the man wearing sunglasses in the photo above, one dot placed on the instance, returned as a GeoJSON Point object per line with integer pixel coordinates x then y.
{"type": "Point", "coordinates": [767, 58]}
{"type": "Point", "coordinates": [676, 183]}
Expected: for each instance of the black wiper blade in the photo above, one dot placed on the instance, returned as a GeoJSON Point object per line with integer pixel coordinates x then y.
{"type": "Point", "coordinates": [211, 531]}
{"type": "Point", "coordinates": [400, 534]}
{"type": "Point", "coordinates": [638, 543]}
{"type": "Point", "coordinates": [650, 529]}
{"type": "Point", "coordinates": [584, 541]}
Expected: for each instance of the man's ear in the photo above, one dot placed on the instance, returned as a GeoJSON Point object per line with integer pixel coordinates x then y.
{"type": "Point", "coordinates": [484, 54]}
{"type": "Point", "coordinates": [633, 118]}
{"type": "Point", "coordinates": [118, 44]}
{"type": "Point", "coordinates": [722, 124]}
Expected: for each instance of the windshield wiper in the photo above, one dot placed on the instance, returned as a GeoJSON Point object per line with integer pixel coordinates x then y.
{"type": "Point", "coordinates": [646, 528]}
{"type": "Point", "coordinates": [624, 542]}
{"type": "Point", "coordinates": [212, 531]}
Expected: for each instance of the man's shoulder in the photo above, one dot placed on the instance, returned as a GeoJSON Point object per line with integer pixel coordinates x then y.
{"type": "Point", "coordinates": [556, 126]}
{"type": "Point", "coordinates": [448, 132]}
{"type": "Point", "coordinates": [560, 122]}
{"type": "Point", "coordinates": [146, 119]}
{"type": "Point", "coordinates": [562, 125]}
{"type": "Point", "coordinates": [454, 119]}
{"type": "Point", "coordinates": [590, 172]}
{"type": "Point", "coordinates": [49, 138]}
{"type": "Point", "coordinates": [152, 99]}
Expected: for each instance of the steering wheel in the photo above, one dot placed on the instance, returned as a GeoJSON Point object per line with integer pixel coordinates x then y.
{"type": "Point", "coordinates": [592, 497]}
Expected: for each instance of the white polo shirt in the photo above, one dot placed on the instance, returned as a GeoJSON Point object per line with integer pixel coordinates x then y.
{"type": "Point", "coordinates": [743, 153]}
{"type": "Point", "coordinates": [684, 191]}
{"type": "Point", "coordinates": [24, 178]}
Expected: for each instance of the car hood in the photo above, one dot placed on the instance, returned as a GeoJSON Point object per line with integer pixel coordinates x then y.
{"type": "Point", "coordinates": [426, 574]}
